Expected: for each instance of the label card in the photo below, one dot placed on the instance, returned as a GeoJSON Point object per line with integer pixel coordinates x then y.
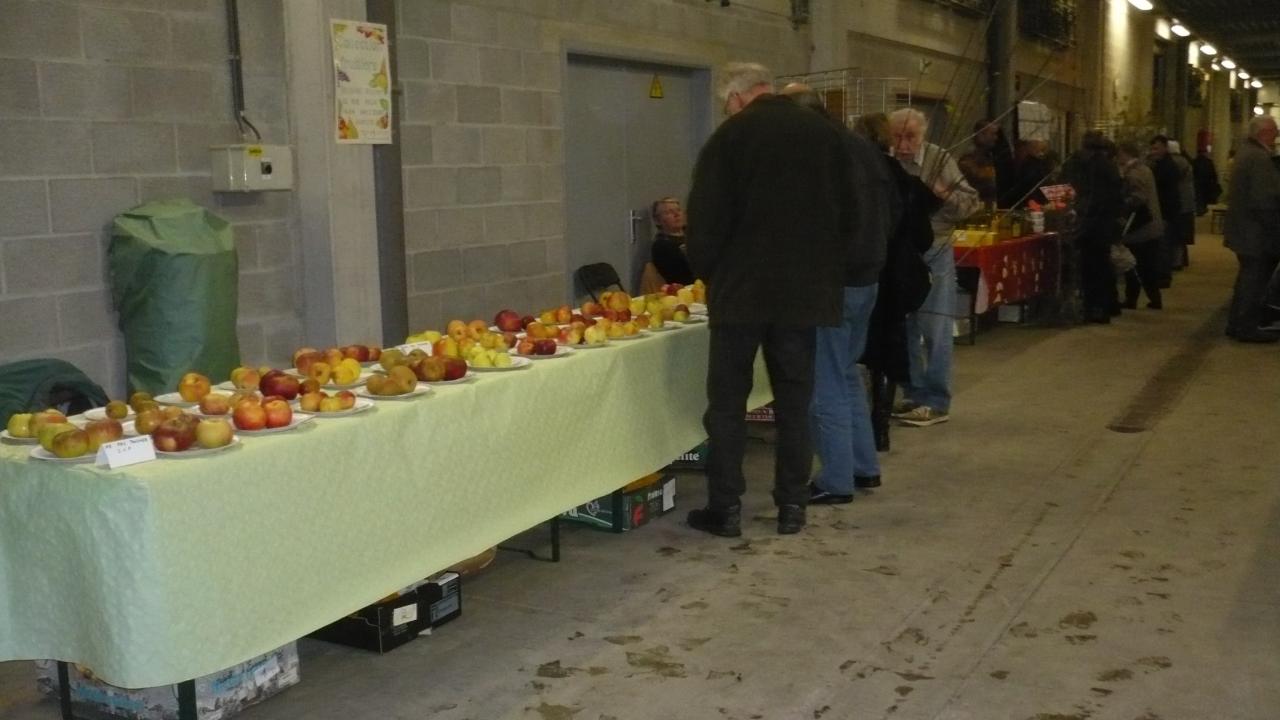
{"type": "Point", "coordinates": [129, 451]}
{"type": "Point", "coordinates": [403, 615]}
{"type": "Point", "coordinates": [668, 495]}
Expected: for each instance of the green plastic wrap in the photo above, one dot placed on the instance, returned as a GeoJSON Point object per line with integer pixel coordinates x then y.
{"type": "Point", "coordinates": [174, 281]}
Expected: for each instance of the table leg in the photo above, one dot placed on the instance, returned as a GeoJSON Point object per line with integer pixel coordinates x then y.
{"type": "Point", "coordinates": [533, 554]}
{"type": "Point", "coordinates": [64, 691]}
{"type": "Point", "coordinates": [187, 700]}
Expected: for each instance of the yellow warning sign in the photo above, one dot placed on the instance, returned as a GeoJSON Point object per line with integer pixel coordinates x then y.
{"type": "Point", "coordinates": [655, 87]}
{"type": "Point", "coordinates": [254, 150]}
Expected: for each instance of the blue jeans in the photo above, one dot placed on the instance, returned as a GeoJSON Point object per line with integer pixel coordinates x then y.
{"type": "Point", "coordinates": [929, 334]}
{"type": "Point", "coordinates": [839, 414]}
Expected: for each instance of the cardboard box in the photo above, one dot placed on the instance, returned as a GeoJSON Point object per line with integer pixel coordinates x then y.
{"type": "Point", "coordinates": [762, 414]}
{"type": "Point", "coordinates": [218, 696]}
{"type": "Point", "coordinates": [695, 459]}
{"type": "Point", "coordinates": [630, 507]}
{"type": "Point", "coordinates": [392, 622]}
{"type": "Point", "coordinates": [1018, 313]}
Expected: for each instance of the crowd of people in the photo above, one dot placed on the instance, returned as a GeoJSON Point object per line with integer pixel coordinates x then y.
{"type": "Point", "coordinates": [829, 248]}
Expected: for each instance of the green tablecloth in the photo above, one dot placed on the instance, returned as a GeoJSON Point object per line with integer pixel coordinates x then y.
{"type": "Point", "coordinates": [174, 569]}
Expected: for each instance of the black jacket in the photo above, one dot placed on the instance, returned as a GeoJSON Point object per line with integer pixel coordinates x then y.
{"type": "Point", "coordinates": [1167, 178]}
{"type": "Point", "coordinates": [670, 260]}
{"type": "Point", "coordinates": [1099, 196]}
{"type": "Point", "coordinates": [769, 216]}
{"type": "Point", "coordinates": [874, 195]}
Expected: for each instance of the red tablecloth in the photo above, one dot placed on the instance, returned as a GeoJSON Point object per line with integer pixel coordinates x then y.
{"type": "Point", "coordinates": [1012, 271]}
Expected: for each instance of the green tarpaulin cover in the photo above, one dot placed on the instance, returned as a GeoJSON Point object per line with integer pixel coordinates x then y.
{"type": "Point", "coordinates": [173, 282]}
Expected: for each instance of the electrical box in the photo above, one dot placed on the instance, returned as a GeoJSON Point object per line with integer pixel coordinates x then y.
{"type": "Point", "coordinates": [250, 168]}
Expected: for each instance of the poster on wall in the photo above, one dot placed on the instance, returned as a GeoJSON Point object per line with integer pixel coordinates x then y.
{"type": "Point", "coordinates": [361, 82]}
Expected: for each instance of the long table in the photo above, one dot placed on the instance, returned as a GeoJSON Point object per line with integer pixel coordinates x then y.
{"type": "Point", "coordinates": [1008, 272]}
{"type": "Point", "coordinates": [170, 570]}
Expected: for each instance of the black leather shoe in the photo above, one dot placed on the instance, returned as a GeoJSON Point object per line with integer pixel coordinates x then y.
{"type": "Point", "coordinates": [1255, 336]}
{"type": "Point", "coordinates": [818, 496]}
{"type": "Point", "coordinates": [790, 519]}
{"type": "Point", "coordinates": [725, 522]}
{"type": "Point", "coordinates": [866, 482]}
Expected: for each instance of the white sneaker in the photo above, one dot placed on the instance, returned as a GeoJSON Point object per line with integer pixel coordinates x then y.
{"type": "Point", "coordinates": [923, 416]}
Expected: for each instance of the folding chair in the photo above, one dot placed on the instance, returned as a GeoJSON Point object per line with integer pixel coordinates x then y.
{"type": "Point", "coordinates": [598, 277]}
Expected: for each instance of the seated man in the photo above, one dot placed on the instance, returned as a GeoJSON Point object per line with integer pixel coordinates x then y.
{"type": "Point", "coordinates": [668, 252]}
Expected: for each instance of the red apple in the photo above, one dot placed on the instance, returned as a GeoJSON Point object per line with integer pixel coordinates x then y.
{"type": "Point", "coordinates": [174, 435]}
{"type": "Point", "coordinates": [430, 368]}
{"type": "Point", "coordinates": [347, 398]}
{"type": "Point", "coordinates": [278, 413]}
{"type": "Point", "coordinates": [359, 353]}
{"type": "Point", "coordinates": [300, 352]}
{"type": "Point", "coordinates": [213, 433]}
{"type": "Point", "coordinates": [308, 385]}
{"type": "Point", "coordinates": [524, 321]}
{"type": "Point", "coordinates": [524, 346]}
{"type": "Point", "coordinates": [215, 404]}
{"type": "Point", "coordinates": [276, 382]}
{"type": "Point", "coordinates": [544, 347]}
{"type": "Point", "coordinates": [103, 431]}
{"type": "Point", "coordinates": [454, 368]}
{"type": "Point", "coordinates": [609, 314]}
{"type": "Point", "coordinates": [375, 353]}
{"type": "Point", "coordinates": [507, 321]}
{"type": "Point", "coordinates": [249, 416]}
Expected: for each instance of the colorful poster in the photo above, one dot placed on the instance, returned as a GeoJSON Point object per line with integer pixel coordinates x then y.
{"type": "Point", "coordinates": [361, 82]}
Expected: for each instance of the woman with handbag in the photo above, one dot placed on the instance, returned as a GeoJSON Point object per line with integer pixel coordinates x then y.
{"type": "Point", "coordinates": [1143, 229]}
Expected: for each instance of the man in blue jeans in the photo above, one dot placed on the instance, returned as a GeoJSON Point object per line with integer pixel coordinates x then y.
{"type": "Point", "coordinates": [839, 415]}
{"type": "Point", "coordinates": [930, 328]}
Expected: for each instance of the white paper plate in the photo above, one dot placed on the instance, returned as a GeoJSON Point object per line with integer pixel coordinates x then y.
{"type": "Point", "coordinates": [698, 308]}
{"type": "Point", "coordinates": [462, 380]}
{"type": "Point", "coordinates": [360, 381]}
{"type": "Point", "coordinates": [362, 404]}
{"type": "Point", "coordinates": [197, 451]}
{"type": "Point", "coordinates": [518, 362]}
{"type": "Point", "coordinates": [695, 319]}
{"type": "Point", "coordinates": [418, 391]}
{"type": "Point", "coordinates": [638, 336]}
{"type": "Point", "coordinates": [584, 346]}
{"type": "Point", "coordinates": [667, 326]}
{"type": "Point", "coordinates": [39, 453]}
{"type": "Point", "coordinates": [101, 414]}
{"type": "Point", "coordinates": [228, 386]}
{"type": "Point", "coordinates": [175, 399]}
{"type": "Point", "coordinates": [299, 419]}
{"type": "Point", "coordinates": [561, 351]}
{"type": "Point", "coordinates": [6, 437]}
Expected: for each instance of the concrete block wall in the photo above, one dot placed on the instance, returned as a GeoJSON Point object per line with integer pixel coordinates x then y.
{"type": "Point", "coordinates": [108, 104]}
{"type": "Point", "coordinates": [482, 134]}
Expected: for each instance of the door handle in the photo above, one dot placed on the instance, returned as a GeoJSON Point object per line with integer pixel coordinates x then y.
{"type": "Point", "coordinates": [633, 217]}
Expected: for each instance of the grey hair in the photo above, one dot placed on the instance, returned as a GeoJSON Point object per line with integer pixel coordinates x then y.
{"type": "Point", "coordinates": [739, 77]}
{"type": "Point", "coordinates": [1258, 122]}
{"type": "Point", "coordinates": [909, 115]}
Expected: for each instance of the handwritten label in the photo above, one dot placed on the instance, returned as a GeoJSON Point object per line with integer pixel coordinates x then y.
{"type": "Point", "coordinates": [668, 495]}
{"type": "Point", "coordinates": [403, 615]}
{"type": "Point", "coordinates": [410, 347]}
{"type": "Point", "coordinates": [129, 451]}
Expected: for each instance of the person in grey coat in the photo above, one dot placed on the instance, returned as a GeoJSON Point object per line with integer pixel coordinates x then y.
{"type": "Point", "coordinates": [1253, 229]}
{"type": "Point", "coordinates": [1144, 227]}
{"type": "Point", "coordinates": [1185, 223]}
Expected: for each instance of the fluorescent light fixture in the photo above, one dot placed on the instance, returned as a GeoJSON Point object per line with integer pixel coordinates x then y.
{"type": "Point", "coordinates": [1143, 5]}
{"type": "Point", "coordinates": [1215, 66]}
{"type": "Point", "coordinates": [1243, 75]}
{"type": "Point", "coordinates": [1179, 29]}
{"type": "Point", "coordinates": [1257, 110]}
{"type": "Point", "coordinates": [1228, 63]}
{"type": "Point", "coordinates": [1256, 84]}
{"type": "Point", "coordinates": [1208, 49]}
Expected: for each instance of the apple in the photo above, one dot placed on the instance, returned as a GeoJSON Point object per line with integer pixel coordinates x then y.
{"type": "Point", "coordinates": [456, 329]}
{"type": "Point", "coordinates": [630, 328]}
{"type": "Point", "coordinates": [390, 358]}
{"type": "Point", "coordinates": [19, 425]}
{"type": "Point", "coordinates": [476, 329]}
{"type": "Point", "coordinates": [245, 378]}
{"type": "Point", "coordinates": [49, 431]}
{"type": "Point", "coordinates": [333, 356]}
{"type": "Point", "coordinates": [591, 309]}
{"type": "Point", "coordinates": [454, 368]}
{"type": "Point", "coordinates": [347, 399]}
{"type": "Point", "coordinates": [403, 380]}
{"type": "Point", "coordinates": [637, 305]}
{"type": "Point", "coordinates": [174, 435]}
{"type": "Point", "coordinates": [685, 295]}
{"type": "Point", "coordinates": [594, 335]}
{"type": "Point", "coordinates": [148, 420]}
{"type": "Point", "coordinates": [548, 317]}
{"type": "Point", "coordinates": [278, 412]}
{"type": "Point", "coordinates": [318, 371]}
{"type": "Point", "coordinates": [117, 410]}
{"type": "Point", "coordinates": [537, 329]}
{"type": "Point", "coordinates": [446, 347]}
{"type": "Point", "coordinates": [614, 330]}
{"type": "Point", "coordinates": [680, 313]}
{"type": "Point", "coordinates": [139, 398]}
{"type": "Point", "coordinates": [359, 353]}
{"type": "Point", "coordinates": [43, 418]}
{"type": "Point", "coordinates": [563, 315]}
{"type": "Point", "coordinates": [213, 433]}
{"type": "Point", "coordinates": [279, 383]}
{"type": "Point", "coordinates": [330, 404]}
{"type": "Point", "coordinates": [249, 416]}
{"type": "Point", "coordinates": [215, 404]}
{"type": "Point", "coordinates": [310, 402]}
{"type": "Point", "coordinates": [299, 352]}
{"type": "Point", "coordinates": [618, 301]}
{"type": "Point", "coordinates": [308, 385]}
{"type": "Point", "coordinates": [507, 321]}
{"type": "Point", "coordinates": [430, 369]}
{"type": "Point", "coordinates": [375, 353]}
{"type": "Point", "coordinates": [524, 346]}
{"type": "Point", "coordinates": [70, 443]}
{"type": "Point", "coordinates": [103, 431]}
{"type": "Point", "coordinates": [347, 372]}
{"type": "Point", "coordinates": [545, 346]}
{"type": "Point", "coordinates": [525, 320]}
{"type": "Point", "coordinates": [193, 386]}
{"type": "Point", "coordinates": [509, 339]}
{"type": "Point", "coordinates": [671, 288]}
{"type": "Point", "coordinates": [656, 321]}
{"type": "Point", "coordinates": [609, 314]}
{"type": "Point", "coordinates": [306, 361]}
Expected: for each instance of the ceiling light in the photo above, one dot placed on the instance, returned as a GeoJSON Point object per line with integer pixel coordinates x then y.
{"type": "Point", "coordinates": [1179, 29]}
{"type": "Point", "coordinates": [1143, 5]}
{"type": "Point", "coordinates": [1256, 84]}
{"type": "Point", "coordinates": [1257, 110]}
{"type": "Point", "coordinates": [1216, 67]}
{"type": "Point", "coordinates": [1228, 63]}
{"type": "Point", "coordinates": [1243, 75]}
{"type": "Point", "coordinates": [1208, 49]}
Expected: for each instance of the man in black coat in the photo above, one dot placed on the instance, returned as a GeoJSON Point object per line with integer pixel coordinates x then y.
{"type": "Point", "coordinates": [1168, 177]}
{"type": "Point", "coordinates": [768, 224]}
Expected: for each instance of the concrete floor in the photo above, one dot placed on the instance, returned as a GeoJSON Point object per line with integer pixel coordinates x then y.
{"type": "Point", "coordinates": [1021, 561]}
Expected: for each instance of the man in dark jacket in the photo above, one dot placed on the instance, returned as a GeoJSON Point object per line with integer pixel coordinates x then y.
{"type": "Point", "coordinates": [1168, 178]}
{"type": "Point", "coordinates": [767, 228]}
{"type": "Point", "coordinates": [839, 415]}
{"type": "Point", "coordinates": [1253, 229]}
{"type": "Point", "coordinates": [1099, 204]}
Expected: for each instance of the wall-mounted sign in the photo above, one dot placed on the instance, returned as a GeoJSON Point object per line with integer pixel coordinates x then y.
{"type": "Point", "coordinates": [655, 87]}
{"type": "Point", "coordinates": [361, 82]}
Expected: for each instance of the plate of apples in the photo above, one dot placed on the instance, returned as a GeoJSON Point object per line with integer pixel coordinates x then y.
{"type": "Point", "coordinates": [540, 349]}
{"type": "Point", "coordinates": [188, 436]}
{"type": "Point", "coordinates": [340, 404]}
{"type": "Point", "coordinates": [61, 441]}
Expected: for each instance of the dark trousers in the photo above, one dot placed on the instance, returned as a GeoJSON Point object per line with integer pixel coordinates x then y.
{"type": "Point", "coordinates": [1146, 276]}
{"type": "Point", "coordinates": [1097, 278]}
{"type": "Point", "coordinates": [1251, 285]}
{"type": "Point", "coordinates": [788, 355]}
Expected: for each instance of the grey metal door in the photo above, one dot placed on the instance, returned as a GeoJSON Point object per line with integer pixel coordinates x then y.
{"type": "Point", "coordinates": [623, 150]}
